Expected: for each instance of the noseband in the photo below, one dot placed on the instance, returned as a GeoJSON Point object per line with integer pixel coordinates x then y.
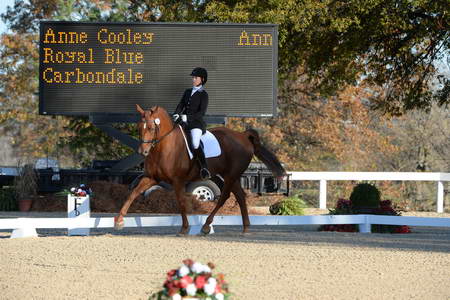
{"type": "Point", "coordinates": [155, 140]}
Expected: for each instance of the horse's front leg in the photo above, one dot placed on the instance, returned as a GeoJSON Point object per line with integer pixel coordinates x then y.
{"type": "Point", "coordinates": [143, 185]}
{"type": "Point", "coordinates": [181, 200]}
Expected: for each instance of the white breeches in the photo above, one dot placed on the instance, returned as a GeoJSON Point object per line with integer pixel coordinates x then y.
{"type": "Point", "coordinates": [196, 134]}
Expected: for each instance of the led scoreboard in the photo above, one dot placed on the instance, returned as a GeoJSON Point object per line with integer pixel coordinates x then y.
{"type": "Point", "coordinates": [108, 68]}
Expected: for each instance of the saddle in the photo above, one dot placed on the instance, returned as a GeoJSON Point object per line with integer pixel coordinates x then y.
{"type": "Point", "coordinates": [208, 142]}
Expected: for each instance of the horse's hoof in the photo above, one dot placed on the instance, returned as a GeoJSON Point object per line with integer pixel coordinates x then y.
{"type": "Point", "coordinates": [118, 225]}
{"type": "Point", "coordinates": [206, 230]}
{"type": "Point", "coordinates": [183, 232]}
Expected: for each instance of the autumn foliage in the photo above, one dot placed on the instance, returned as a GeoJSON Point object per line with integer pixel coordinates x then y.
{"type": "Point", "coordinates": [346, 68]}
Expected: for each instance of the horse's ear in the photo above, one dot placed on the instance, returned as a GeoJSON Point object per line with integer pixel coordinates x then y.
{"type": "Point", "coordinates": [139, 109]}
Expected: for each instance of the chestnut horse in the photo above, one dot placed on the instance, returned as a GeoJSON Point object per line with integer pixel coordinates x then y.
{"type": "Point", "coordinates": [167, 159]}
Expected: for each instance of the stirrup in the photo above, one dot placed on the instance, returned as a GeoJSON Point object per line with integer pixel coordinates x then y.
{"type": "Point", "coordinates": [204, 174]}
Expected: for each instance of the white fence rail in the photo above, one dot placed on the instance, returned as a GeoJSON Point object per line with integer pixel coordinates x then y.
{"type": "Point", "coordinates": [364, 221]}
{"type": "Point", "coordinates": [323, 177]}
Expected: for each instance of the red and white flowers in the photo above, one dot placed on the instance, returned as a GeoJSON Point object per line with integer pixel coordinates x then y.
{"type": "Point", "coordinates": [193, 280]}
{"type": "Point", "coordinates": [80, 191]}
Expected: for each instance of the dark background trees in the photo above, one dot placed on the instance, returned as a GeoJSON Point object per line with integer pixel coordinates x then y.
{"type": "Point", "coordinates": [360, 82]}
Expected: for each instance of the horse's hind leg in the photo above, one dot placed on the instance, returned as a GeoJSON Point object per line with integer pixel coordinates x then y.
{"type": "Point", "coordinates": [240, 197]}
{"type": "Point", "coordinates": [223, 197]}
{"type": "Point", "coordinates": [143, 185]}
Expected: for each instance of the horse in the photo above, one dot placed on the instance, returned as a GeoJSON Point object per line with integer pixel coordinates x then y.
{"type": "Point", "coordinates": [167, 159]}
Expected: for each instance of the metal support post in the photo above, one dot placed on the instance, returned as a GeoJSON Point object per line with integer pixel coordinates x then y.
{"type": "Point", "coordinates": [440, 197]}
{"type": "Point", "coordinates": [323, 194]}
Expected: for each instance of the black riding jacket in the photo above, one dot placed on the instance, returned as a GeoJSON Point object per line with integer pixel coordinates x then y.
{"type": "Point", "coordinates": [194, 107]}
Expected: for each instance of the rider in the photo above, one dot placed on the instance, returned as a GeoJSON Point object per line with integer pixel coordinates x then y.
{"type": "Point", "coordinates": [192, 109]}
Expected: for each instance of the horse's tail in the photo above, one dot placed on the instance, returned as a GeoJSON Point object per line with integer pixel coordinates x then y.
{"type": "Point", "coordinates": [265, 155]}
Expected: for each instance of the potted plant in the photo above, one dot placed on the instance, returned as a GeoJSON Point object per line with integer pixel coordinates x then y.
{"type": "Point", "coordinates": [25, 187]}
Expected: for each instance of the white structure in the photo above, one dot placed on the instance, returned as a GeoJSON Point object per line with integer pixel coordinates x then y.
{"type": "Point", "coordinates": [323, 177]}
{"type": "Point", "coordinates": [78, 208]}
{"type": "Point", "coordinates": [25, 229]}
{"type": "Point", "coordinates": [79, 215]}
{"type": "Point", "coordinates": [364, 221]}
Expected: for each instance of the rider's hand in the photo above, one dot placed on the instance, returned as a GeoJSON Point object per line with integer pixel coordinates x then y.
{"type": "Point", "coordinates": [175, 117]}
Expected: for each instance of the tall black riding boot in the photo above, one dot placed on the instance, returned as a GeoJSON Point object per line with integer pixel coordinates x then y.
{"type": "Point", "coordinates": [200, 156]}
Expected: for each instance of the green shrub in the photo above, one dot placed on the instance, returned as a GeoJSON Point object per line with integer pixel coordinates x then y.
{"type": "Point", "coordinates": [7, 200]}
{"type": "Point", "coordinates": [292, 206]}
{"type": "Point", "coordinates": [365, 195]}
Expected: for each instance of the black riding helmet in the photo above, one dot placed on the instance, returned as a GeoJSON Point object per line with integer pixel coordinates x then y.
{"type": "Point", "coordinates": [200, 72]}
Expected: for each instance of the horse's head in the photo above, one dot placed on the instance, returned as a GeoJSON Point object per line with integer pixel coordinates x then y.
{"type": "Point", "coordinates": [150, 125]}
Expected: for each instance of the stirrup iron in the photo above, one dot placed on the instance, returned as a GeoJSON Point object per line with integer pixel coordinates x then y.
{"type": "Point", "coordinates": [205, 174]}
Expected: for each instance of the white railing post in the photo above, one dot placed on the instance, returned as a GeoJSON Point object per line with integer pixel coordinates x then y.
{"type": "Point", "coordinates": [365, 227]}
{"type": "Point", "coordinates": [440, 197]}
{"type": "Point", "coordinates": [323, 194]}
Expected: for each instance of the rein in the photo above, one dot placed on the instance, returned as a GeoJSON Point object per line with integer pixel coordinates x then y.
{"type": "Point", "coordinates": [155, 140]}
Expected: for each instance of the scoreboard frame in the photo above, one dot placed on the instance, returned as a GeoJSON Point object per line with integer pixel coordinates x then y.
{"type": "Point", "coordinates": [43, 107]}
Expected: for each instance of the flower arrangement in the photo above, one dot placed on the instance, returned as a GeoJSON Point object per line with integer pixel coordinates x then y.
{"type": "Point", "coordinates": [80, 191]}
{"type": "Point", "coordinates": [193, 280]}
{"type": "Point", "coordinates": [345, 207]}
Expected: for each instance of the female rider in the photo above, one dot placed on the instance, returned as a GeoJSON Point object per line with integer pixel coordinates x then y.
{"type": "Point", "coordinates": [192, 109]}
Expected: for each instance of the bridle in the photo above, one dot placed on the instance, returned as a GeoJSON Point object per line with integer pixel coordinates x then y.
{"type": "Point", "coordinates": [154, 141]}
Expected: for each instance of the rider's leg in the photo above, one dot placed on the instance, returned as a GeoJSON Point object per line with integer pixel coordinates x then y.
{"type": "Point", "coordinates": [196, 134]}
{"type": "Point", "coordinates": [189, 140]}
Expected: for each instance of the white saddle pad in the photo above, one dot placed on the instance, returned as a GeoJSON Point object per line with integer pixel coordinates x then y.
{"type": "Point", "coordinates": [210, 143]}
